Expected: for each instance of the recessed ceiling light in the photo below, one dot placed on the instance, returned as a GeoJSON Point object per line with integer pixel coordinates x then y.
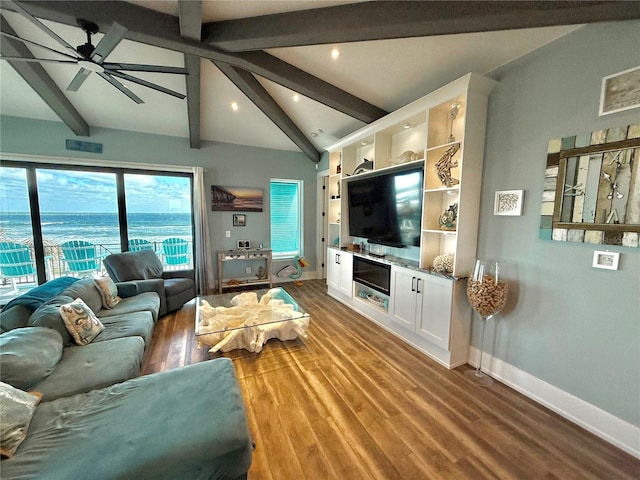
{"type": "Point", "coordinates": [406, 126]}
{"type": "Point", "coordinates": [234, 106]}
{"type": "Point", "coordinates": [335, 53]}
{"type": "Point", "coordinates": [363, 143]}
{"type": "Point", "coordinates": [296, 98]}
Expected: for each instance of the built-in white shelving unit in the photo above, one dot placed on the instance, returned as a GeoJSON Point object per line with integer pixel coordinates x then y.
{"type": "Point", "coordinates": [447, 124]}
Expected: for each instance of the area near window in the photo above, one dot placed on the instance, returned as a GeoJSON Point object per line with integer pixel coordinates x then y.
{"type": "Point", "coordinates": [286, 217]}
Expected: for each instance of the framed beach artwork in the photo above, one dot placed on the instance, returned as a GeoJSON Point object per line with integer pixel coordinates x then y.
{"type": "Point", "coordinates": [620, 91]}
{"type": "Point", "coordinates": [236, 199]}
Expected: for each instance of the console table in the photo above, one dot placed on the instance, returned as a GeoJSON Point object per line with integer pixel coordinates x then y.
{"type": "Point", "coordinates": [248, 255]}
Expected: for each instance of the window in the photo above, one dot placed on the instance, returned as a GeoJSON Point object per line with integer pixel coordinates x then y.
{"type": "Point", "coordinates": [286, 218]}
{"type": "Point", "coordinates": [44, 206]}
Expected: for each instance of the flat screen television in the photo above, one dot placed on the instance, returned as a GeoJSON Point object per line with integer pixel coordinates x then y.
{"type": "Point", "coordinates": [387, 208]}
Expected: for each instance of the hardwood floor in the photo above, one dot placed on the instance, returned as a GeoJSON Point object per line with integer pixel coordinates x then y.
{"type": "Point", "coordinates": [353, 402]}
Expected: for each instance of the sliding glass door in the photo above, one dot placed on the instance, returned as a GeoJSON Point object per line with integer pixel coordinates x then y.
{"type": "Point", "coordinates": [65, 219]}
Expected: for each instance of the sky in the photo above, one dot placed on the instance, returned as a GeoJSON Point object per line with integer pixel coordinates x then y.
{"type": "Point", "coordinates": [65, 191]}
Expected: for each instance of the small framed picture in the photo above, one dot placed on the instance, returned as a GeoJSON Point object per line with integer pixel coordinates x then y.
{"type": "Point", "coordinates": [606, 260]}
{"type": "Point", "coordinates": [508, 202]}
{"type": "Point", "coordinates": [620, 91]}
{"type": "Point", "coordinates": [239, 220]}
{"type": "Point", "coordinates": [243, 244]}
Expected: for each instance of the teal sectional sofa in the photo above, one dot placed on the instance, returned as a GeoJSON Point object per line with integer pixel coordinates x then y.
{"type": "Point", "coordinates": [115, 355]}
{"type": "Point", "coordinates": [98, 418]}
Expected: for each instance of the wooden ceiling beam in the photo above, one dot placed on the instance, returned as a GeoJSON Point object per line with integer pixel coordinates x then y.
{"type": "Point", "coordinates": [250, 86]}
{"type": "Point", "coordinates": [162, 30]}
{"type": "Point", "coordinates": [379, 20]}
{"type": "Point", "coordinates": [190, 26]}
{"type": "Point", "coordinates": [37, 78]}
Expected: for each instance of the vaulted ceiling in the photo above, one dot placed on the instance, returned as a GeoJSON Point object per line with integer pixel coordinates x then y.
{"type": "Point", "coordinates": [262, 54]}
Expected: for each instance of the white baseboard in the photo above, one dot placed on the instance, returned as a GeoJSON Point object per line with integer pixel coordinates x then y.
{"type": "Point", "coordinates": [610, 428]}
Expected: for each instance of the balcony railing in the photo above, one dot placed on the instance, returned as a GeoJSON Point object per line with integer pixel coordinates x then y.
{"type": "Point", "coordinates": [56, 266]}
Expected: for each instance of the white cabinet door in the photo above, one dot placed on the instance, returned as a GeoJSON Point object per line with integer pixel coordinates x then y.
{"type": "Point", "coordinates": [346, 273]}
{"type": "Point", "coordinates": [435, 295]}
{"type": "Point", "coordinates": [333, 269]}
{"type": "Point", "coordinates": [340, 271]}
{"type": "Point", "coordinates": [403, 305]}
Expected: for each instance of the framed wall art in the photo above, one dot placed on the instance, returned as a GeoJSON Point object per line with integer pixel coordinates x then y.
{"type": "Point", "coordinates": [508, 202]}
{"type": "Point", "coordinates": [238, 199]}
{"type": "Point", "coordinates": [620, 91]}
{"type": "Point", "coordinates": [592, 188]}
{"type": "Point", "coordinates": [606, 260]}
{"type": "Point", "coordinates": [239, 220]}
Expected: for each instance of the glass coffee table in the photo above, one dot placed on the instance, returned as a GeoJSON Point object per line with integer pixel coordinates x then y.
{"type": "Point", "coordinates": [248, 319]}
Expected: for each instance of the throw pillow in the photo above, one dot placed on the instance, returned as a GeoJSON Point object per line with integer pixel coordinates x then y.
{"type": "Point", "coordinates": [16, 410]}
{"type": "Point", "coordinates": [82, 323]}
{"type": "Point", "coordinates": [108, 292]}
{"type": "Point", "coordinates": [28, 355]}
{"type": "Point", "coordinates": [48, 315]}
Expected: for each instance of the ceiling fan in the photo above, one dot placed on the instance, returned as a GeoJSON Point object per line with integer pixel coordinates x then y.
{"type": "Point", "coordinates": [91, 59]}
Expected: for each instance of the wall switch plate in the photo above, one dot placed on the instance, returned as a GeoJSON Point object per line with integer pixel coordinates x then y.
{"type": "Point", "coordinates": [228, 233]}
{"type": "Point", "coordinates": [247, 270]}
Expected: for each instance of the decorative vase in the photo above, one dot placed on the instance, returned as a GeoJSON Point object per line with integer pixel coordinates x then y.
{"type": "Point", "coordinates": [487, 291]}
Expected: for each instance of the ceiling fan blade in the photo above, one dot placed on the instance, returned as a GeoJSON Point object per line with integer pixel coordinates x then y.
{"type": "Point", "coordinates": [24, 40]}
{"type": "Point", "coordinates": [78, 80]}
{"type": "Point", "coordinates": [136, 67]}
{"type": "Point", "coordinates": [147, 84]}
{"type": "Point", "coordinates": [110, 41]}
{"type": "Point", "coordinates": [121, 87]}
{"type": "Point", "coordinates": [40, 25]}
{"type": "Point", "coordinates": [39, 60]}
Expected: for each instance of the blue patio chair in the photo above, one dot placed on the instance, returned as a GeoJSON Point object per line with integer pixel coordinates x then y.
{"type": "Point", "coordinates": [81, 257]}
{"type": "Point", "coordinates": [137, 244]}
{"type": "Point", "coordinates": [15, 262]}
{"type": "Point", "coordinates": [175, 252]}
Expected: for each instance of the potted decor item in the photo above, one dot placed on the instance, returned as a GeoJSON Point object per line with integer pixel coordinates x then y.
{"type": "Point", "coordinates": [449, 217]}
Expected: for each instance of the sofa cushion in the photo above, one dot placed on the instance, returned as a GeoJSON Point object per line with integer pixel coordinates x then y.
{"type": "Point", "coordinates": [130, 325]}
{"type": "Point", "coordinates": [16, 413]}
{"type": "Point", "coordinates": [141, 265]}
{"type": "Point", "coordinates": [97, 365]}
{"type": "Point", "coordinates": [187, 423]}
{"type": "Point", "coordinates": [82, 323]}
{"type": "Point", "coordinates": [48, 315]}
{"type": "Point", "coordinates": [86, 290]}
{"type": "Point", "coordinates": [29, 355]}
{"type": "Point", "coordinates": [148, 301]}
{"type": "Point", "coordinates": [14, 317]}
{"type": "Point", "coordinates": [108, 292]}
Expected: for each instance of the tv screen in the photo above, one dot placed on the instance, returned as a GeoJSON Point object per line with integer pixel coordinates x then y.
{"type": "Point", "coordinates": [387, 208]}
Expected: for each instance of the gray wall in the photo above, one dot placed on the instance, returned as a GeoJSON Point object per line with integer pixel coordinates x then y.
{"type": "Point", "coordinates": [225, 164]}
{"type": "Point", "coordinates": [576, 327]}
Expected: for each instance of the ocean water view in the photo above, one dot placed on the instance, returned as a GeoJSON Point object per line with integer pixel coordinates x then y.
{"type": "Point", "coordinates": [97, 228]}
